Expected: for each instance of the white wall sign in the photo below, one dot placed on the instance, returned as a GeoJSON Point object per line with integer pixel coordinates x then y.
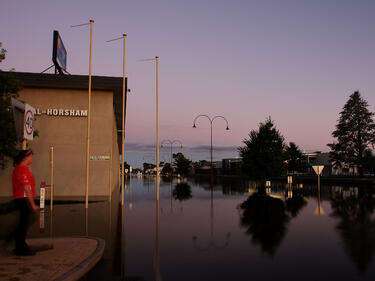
{"type": "Point", "coordinates": [28, 123]}
{"type": "Point", "coordinates": [61, 112]}
{"type": "Point", "coordinates": [100, 157]}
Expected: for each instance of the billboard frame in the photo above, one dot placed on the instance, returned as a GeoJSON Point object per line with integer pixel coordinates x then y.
{"type": "Point", "coordinates": [59, 53]}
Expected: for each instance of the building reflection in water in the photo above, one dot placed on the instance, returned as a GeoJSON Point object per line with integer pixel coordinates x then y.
{"type": "Point", "coordinates": [354, 210]}
{"type": "Point", "coordinates": [211, 243]}
{"type": "Point", "coordinates": [266, 217]}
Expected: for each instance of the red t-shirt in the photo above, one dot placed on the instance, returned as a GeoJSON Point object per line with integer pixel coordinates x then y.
{"type": "Point", "coordinates": [22, 176]}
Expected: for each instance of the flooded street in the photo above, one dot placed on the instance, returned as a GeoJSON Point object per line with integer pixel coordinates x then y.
{"type": "Point", "coordinates": [235, 231]}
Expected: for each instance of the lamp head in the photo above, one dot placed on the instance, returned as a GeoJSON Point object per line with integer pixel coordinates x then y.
{"type": "Point", "coordinates": [227, 128]}
{"type": "Point", "coordinates": [194, 126]}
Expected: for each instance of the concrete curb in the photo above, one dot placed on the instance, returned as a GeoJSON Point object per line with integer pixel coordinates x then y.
{"type": "Point", "coordinates": [58, 258]}
{"type": "Point", "coordinates": [84, 267]}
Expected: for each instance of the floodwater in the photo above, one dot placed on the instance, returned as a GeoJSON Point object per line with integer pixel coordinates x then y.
{"type": "Point", "coordinates": [233, 231]}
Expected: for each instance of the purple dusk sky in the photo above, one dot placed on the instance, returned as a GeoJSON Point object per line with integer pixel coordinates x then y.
{"type": "Point", "coordinates": [294, 60]}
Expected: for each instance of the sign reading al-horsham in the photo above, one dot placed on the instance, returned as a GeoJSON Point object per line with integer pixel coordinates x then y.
{"type": "Point", "coordinates": [61, 112]}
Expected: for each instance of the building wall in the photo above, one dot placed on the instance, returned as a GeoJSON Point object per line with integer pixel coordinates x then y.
{"type": "Point", "coordinates": [67, 136]}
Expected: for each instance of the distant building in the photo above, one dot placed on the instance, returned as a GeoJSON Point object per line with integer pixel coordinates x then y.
{"type": "Point", "coordinates": [231, 166]}
{"type": "Point", "coordinates": [323, 158]}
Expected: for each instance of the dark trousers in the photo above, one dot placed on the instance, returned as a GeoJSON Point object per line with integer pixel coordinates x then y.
{"type": "Point", "coordinates": [26, 219]}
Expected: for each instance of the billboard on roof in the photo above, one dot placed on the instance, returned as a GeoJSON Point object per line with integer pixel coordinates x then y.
{"type": "Point", "coordinates": [59, 52]}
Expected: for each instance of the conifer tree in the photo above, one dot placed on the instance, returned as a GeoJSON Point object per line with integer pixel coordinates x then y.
{"type": "Point", "coordinates": [355, 133]}
{"type": "Point", "coordinates": [263, 153]}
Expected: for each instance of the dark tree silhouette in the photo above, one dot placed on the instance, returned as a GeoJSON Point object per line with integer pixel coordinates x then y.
{"type": "Point", "coordinates": [294, 158]}
{"type": "Point", "coordinates": [356, 226]}
{"type": "Point", "coordinates": [265, 220]}
{"type": "Point", "coordinates": [182, 192]}
{"type": "Point", "coordinates": [263, 153]}
{"type": "Point", "coordinates": [9, 87]}
{"type": "Point", "coordinates": [355, 133]}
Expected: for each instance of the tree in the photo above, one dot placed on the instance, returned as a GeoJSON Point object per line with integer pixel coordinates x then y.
{"type": "Point", "coordinates": [355, 133]}
{"type": "Point", "coordinates": [126, 166]}
{"type": "Point", "coordinates": [148, 166]}
{"type": "Point", "coordinates": [9, 87]}
{"type": "Point", "coordinates": [167, 169]}
{"type": "Point", "coordinates": [294, 158]}
{"type": "Point", "coordinates": [369, 162]}
{"type": "Point", "coordinates": [182, 164]}
{"type": "Point", "coordinates": [2, 53]}
{"type": "Point", "coordinates": [262, 154]}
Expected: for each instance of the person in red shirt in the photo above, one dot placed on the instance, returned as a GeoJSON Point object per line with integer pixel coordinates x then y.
{"type": "Point", "coordinates": [23, 194]}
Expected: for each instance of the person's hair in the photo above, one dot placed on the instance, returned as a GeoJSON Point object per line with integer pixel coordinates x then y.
{"type": "Point", "coordinates": [21, 155]}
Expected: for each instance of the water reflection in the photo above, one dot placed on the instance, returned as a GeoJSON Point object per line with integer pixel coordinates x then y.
{"type": "Point", "coordinates": [295, 203]}
{"type": "Point", "coordinates": [266, 217]}
{"type": "Point", "coordinates": [157, 241]}
{"type": "Point", "coordinates": [193, 237]}
{"type": "Point", "coordinates": [119, 252]}
{"type": "Point", "coordinates": [319, 209]}
{"type": "Point", "coordinates": [354, 210]}
{"type": "Point", "coordinates": [182, 191]}
{"type": "Point", "coordinates": [211, 242]}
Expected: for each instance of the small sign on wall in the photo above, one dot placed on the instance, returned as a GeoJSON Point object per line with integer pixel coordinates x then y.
{"type": "Point", "coordinates": [28, 123]}
{"type": "Point", "coordinates": [100, 157]}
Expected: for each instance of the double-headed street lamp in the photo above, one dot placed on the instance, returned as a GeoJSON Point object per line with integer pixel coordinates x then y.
{"type": "Point", "coordinates": [171, 145]}
{"type": "Point", "coordinates": [211, 121]}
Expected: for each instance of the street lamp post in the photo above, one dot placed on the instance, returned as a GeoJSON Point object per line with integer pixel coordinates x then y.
{"type": "Point", "coordinates": [171, 145]}
{"type": "Point", "coordinates": [211, 121]}
{"type": "Point", "coordinates": [91, 22]}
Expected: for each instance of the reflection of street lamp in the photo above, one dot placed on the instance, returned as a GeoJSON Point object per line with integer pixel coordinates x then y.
{"type": "Point", "coordinates": [211, 242]}
{"type": "Point", "coordinates": [123, 116]}
{"type": "Point", "coordinates": [211, 121]}
{"type": "Point", "coordinates": [88, 115]}
{"type": "Point", "coordinates": [156, 59]}
{"type": "Point", "coordinates": [171, 145]}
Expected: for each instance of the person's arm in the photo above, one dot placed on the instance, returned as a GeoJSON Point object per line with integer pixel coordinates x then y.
{"type": "Point", "coordinates": [30, 197]}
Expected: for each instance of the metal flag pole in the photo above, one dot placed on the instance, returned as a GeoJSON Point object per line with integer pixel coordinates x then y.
{"type": "Point", "coordinates": [123, 117]}
{"type": "Point", "coordinates": [157, 120]}
{"type": "Point", "coordinates": [157, 126]}
{"type": "Point", "coordinates": [88, 115]}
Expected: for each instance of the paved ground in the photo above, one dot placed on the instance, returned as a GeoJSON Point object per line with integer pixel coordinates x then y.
{"type": "Point", "coordinates": [69, 259]}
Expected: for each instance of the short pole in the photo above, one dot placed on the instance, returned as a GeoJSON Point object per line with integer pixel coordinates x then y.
{"type": "Point", "coordinates": [51, 178]}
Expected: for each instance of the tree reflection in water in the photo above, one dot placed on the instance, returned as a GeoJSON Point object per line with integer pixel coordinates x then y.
{"type": "Point", "coordinates": [266, 218]}
{"type": "Point", "coordinates": [182, 191]}
{"type": "Point", "coordinates": [356, 225]}
{"type": "Point", "coordinates": [295, 204]}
